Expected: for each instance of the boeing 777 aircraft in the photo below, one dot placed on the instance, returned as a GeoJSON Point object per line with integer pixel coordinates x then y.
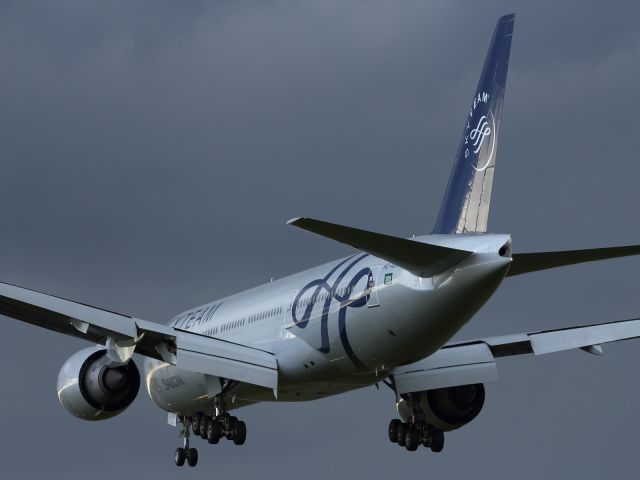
{"type": "Point", "coordinates": [385, 314]}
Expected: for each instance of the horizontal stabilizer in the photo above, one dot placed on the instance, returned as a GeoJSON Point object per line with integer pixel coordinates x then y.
{"type": "Point", "coordinates": [532, 262]}
{"type": "Point", "coordinates": [421, 259]}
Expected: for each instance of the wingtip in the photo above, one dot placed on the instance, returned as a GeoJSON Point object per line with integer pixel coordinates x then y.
{"type": "Point", "coordinates": [292, 221]}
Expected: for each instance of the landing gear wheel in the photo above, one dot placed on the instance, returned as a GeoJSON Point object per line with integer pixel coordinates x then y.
{"type": "Point", "coordinates": [402, 434]}
{"type": "Point", "coordinates": [180, 456]}
{"type": "Point", "coordinates": [195, 424]}
{"type": "Point", "coordinates": [214, 431]}
{"type": "Point", "coordinates": [192, 457]}
{"type": "Point", "coordinates": [230, 426]}
{"type": "Point", "coordinates": [412, 439]}
{"type": "Point", "coordinates": [393, 430]}
{"type": "Point", "coordinates": [437, 440]}
{"type": "Point", "coordinates": [239, 433]}
{"type": "Point", "coordinates": [233, 421]}
{"type": "Point", "coordinates": [202, 427]}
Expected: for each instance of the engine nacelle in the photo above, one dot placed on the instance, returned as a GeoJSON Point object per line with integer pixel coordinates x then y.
{"type": "Point", "coordinates": [90, 389]}
{"type": "Point", "coordinates": [448, 408]}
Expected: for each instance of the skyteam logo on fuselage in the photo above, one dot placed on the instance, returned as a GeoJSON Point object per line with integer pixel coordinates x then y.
{"type": "Point", "coordinates": [480, 131]}
{"type": "Point", "coordinates": [325, 291]}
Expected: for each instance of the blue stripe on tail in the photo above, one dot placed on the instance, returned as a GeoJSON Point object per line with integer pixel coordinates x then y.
{"type": "Point", "coordinates": [465, 207]}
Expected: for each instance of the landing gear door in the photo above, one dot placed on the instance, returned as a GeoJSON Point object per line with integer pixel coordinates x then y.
{"type": "Point", "coordinates": [373, 295]}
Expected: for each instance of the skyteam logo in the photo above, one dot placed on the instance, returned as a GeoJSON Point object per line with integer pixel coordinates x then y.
{"type": "Point", "coordinates": [327, 289]}
{"type": "Point", "coordinates": [479, 131]}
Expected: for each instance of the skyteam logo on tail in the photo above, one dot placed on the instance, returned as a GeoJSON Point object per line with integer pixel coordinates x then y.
{"type": "Point", "coordinates": [479, 130]}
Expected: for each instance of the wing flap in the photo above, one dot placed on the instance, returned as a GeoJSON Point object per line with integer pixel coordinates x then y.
{"type": "Point", "coordinates": [421, 259]}
{"type": "Point", "coordinates": [186, 350]}
{"type": "Point", "coordinates": [225, 359]}
{"type": "Point", "coordinates": [551, 341]}
{"type": "Point", "coordinates": [472, 362]}
{"type": "Point", "coordinates": [468, 364]}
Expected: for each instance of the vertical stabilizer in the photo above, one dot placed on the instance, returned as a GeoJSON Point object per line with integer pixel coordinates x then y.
{"type": "Point", "coordinates": [465, 207]}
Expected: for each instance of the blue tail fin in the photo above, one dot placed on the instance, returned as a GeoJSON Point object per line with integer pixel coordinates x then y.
{"type": "Point", "coordinates": [465, 207]}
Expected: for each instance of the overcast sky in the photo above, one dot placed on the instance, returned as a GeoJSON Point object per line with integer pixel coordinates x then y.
{"type": "Point", "coordinates": [151, 152]}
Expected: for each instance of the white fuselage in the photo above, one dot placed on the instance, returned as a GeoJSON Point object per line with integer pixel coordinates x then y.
{"type": "Point", "coordinates": [338, 326]}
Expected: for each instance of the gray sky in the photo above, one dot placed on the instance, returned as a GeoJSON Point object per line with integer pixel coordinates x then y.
{"type": "Point", "coordinates": [152, 152]}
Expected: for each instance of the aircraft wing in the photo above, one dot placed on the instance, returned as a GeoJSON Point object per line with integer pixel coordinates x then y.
{"type": "Point", "coordinates": [123, 335]}
{"type": "Point", "coordinates": [472, 362]}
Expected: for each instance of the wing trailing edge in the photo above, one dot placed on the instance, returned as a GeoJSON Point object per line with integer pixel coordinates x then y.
{"type": "Point", "coordinates": [421, 259]}
{"type": "Point", "coordinates": [124, 335]}
{"type": "Point", "coordinates": [466, 363]}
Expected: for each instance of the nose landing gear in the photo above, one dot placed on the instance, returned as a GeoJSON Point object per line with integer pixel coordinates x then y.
{"type": "Point", "coordinates": [186, 452]}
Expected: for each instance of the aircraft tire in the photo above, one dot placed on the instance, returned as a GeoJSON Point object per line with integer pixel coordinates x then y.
{"type": "Point", "coordinates": [195, 425]}
{"type": "Point", "coordinates": [214, 432]}
{"type": "Point", "coordinates": [402, 434]}
{"type": "Point", "coordinates": [192, 457]}
{"type": "Point", "coordinates": [233, 421]}
{"type": "Point", "coordinates": [412, 439]}
{"type": "Point", "coordinates": [202, 427]}
{"type": "Point", "coordinates": [437, 440]}
{"type": "Point", "coordinates": [239, 433]}
{"type": "Point", "coordinates": [393, 430]}
{"type": "Point", "coordinates": [180, 456]}
{"type": "Point", "coordinates": [230, 425]}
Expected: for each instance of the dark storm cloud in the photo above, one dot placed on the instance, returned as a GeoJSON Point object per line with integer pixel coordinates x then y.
{"type": "Point", "coordinates": [152, 151]}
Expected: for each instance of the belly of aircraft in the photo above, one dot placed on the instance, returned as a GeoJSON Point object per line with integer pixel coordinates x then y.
{"type": "Point", "coordinates": [176, 390]}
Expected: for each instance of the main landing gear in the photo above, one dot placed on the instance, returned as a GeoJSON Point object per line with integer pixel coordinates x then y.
{"type": "Point", "coordinates": [212, 428]}
{"type": "Point", "coordinates": [216, 427]}
{"type": "Point", "coordinates": [412, 435]}
{"type": "Point", "coordinates": [416, 431]}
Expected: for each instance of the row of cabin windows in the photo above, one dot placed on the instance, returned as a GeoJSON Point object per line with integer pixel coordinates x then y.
{"type": "Point", "coordinates": [341, 292]}
{"type": "Point", "coordinates": [243, 321]}
{"type": "Point", "coordinates": [206, 314]}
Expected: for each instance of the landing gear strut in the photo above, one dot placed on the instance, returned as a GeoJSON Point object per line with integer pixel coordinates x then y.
{"type": "Point", "coordinates": [222, 424]}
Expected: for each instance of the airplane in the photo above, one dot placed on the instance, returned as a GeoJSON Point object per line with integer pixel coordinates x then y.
{"type": "Point", "coordinates": [385, 314]}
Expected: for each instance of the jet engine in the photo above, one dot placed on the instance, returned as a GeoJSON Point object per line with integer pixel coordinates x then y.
{"type": "Point", "coordinates": [90, 388]}
{"type": "Point", "coordinates": [448, 408]}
